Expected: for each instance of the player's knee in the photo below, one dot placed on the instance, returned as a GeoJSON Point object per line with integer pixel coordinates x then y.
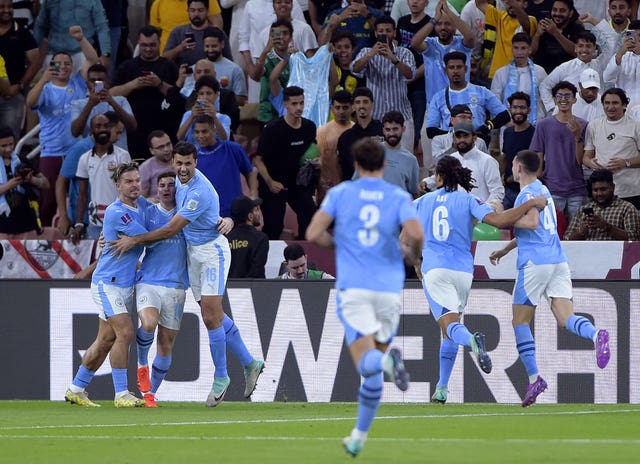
{"type": "Point", "coordinates": [212, 320]}
{"type": "Point", "coordinates": [370, 363]}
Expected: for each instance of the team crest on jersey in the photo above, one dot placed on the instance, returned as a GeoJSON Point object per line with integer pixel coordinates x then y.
{"type": "Point", "coordinates": [192, 205]}
{"type": "Point", "coordinates": [127, 219]}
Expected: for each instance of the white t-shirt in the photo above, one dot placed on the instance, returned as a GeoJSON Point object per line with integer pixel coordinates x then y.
{"type": "Point", "coordinates": [617, 139]}
{"type": "Point", "coordinates": [99, 170]}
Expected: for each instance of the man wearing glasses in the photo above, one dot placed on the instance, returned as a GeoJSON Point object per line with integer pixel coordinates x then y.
{"type": "Point", "coordinates": [559, 141]}
{"type": "Point", "coordinates": [161, 148]}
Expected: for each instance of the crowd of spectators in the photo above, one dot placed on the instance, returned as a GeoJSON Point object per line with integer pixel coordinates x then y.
{"type": "Point", "coordinates": [477, 79]}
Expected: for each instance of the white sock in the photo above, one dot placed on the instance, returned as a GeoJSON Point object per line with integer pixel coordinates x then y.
{"type": "Point", "coordinates": [359, 435]}
{"type": "Point", "coordinates": [76, 389]}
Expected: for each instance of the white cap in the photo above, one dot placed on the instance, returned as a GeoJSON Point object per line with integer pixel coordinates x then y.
{"type": "Point", "coordinates": [589, 78]}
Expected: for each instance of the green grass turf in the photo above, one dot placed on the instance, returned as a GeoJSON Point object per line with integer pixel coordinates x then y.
{"type": "Point", "coordinates": [263, 433]}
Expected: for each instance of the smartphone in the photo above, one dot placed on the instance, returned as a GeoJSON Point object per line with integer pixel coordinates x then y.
{"type": "Point", "coordinates": [55, 66]}
{"type": "Point", "coordinates": [629, 34]}
{"type": "Point", "coordinates": [201, 103]}
{"type": "Point", "coordinates": [275, 32]}
{"type": "Point", "coordinates": [188, 70]}
{"type": "Point", "coordinates": [145, 73]}
{"type": "Point", "coordinates": [189, 36]}
{"type": "Point", "coordinates": [382, 38]}
{"type": "Point", "coordinates": [98, 86]}
{"type": "Point", "coordinates": [588, 211]}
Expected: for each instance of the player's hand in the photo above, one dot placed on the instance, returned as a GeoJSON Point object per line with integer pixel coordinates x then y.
{"type": "Point", "coordinates": [101, 242]}
{"type": "Point", "coordinates": [225, 225]}
{"type": "Point", "coordinates": [416, 268]}
{"type": "Point", "coordinates": [121, 246]}
{"type": "Point", "coordinates": [496, 256]}
{"type": "Point", "coordinates": [540, 202]}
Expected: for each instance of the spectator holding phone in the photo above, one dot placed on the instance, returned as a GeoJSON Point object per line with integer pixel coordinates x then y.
{"type": "Point", "coordinates": [207, 90]}
{"type": "Point", "coordinates": [145, 81]}
{"type": "Point", "coordinates": [605, 217]}
{"type": "Point", "coordinates": [624, 66]}
{"type": "Point", "coordinates": [18, 189]}
{"type": "Point", "coordinates": [186, 42]}
{"type": "Point", "coordinates": [99, 101]}
{"type": "Point", "coordinates": [387, 69]}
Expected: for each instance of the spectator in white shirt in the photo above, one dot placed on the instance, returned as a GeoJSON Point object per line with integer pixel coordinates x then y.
{"type": "Point", "coordinates": [588, 105]}
{"type": "Point", "coordinates": [624, 67]}
{"type": "Point", "coordinates": [484, 167]}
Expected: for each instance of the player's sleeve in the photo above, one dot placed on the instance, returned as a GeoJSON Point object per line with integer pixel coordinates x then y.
{"type": "Point", "coordinates": [193, 207]}
{"type": "Point", "coordinates": [478, 209]}
{"type": "Point", "coordinates": [328, 205]}
{"type": "Point", "coordinates": [127, 224]}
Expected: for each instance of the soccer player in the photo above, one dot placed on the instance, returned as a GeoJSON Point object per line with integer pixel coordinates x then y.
{"type": "Point", "coordinates": [447, 216]}
{"type": "Point", "coordinates": [208, 257]}
{"type": "Point", "coordinates": [112, 290]}
{"type": "Point", "coordinates": [368, 214]}
{"type": "Point", "coordinates": [161, 285]}
{"type": "Point", "coordinates": [542, 270]}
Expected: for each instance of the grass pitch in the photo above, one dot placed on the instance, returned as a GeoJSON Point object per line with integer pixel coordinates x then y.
{"type": "Point", "coordinates": [263, 433]}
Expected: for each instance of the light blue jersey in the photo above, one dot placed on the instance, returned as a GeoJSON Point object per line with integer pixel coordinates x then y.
{"type": "Point", "coordinates": [198, 202]}
{"type": "Point", "coordinates": [120, 271]}
{"type": "Point", "coordinates": [479, 99]}
{"type": "Point", "coordinates": [540, 246]}
{"type": "Point", "coordinates": [54, 110]}
{"type": "Point", "coordinates": [164, 263]}
{"type": "Point", "coordinates": [447, 219]}
{"type": "Point", "coordinates": [224, 120]}
{"type": "Point", "coordinates": [368, 215]}
{"type": "Point", "coordinates": [434, 63]}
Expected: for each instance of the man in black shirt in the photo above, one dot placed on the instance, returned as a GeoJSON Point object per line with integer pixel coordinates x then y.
{"type": "Point", "coordinates": [365, 126]}
{"type": "Point", "coordinates": [555, 38]}
{"type": "Point", "coordinates": [249, 246]}
{"type": "Point", "coordinates": [145, 81]}
{"type": "Point", "coordinates": [283, 147]}
{"type": "Point", "coordinates": [515, 138]}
